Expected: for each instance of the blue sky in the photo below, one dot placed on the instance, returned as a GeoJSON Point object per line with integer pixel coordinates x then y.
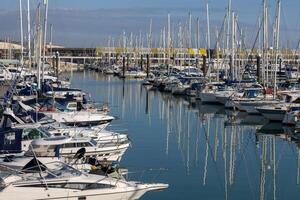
{"type": "Point", "coordinates": [90, 22]}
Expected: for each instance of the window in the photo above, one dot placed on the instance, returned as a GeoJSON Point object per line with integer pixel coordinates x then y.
{"type": "Point", "coordinates": [87, 144]}
{"type": "Point", "coordinates": [93, 142]}
{"type": "Point", "coordinates": [69, 145]}
{"type": "Point", "coordinates": [73, 186]}
{"type": "Point", "coordinates": [83, 144]}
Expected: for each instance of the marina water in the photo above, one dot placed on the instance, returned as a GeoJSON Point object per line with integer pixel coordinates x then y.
{"type": "Point", "coordinates": [202, 151]}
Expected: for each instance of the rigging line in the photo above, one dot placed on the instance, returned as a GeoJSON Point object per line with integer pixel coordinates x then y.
{"type": "Point", "coordinates": [256, 38]}
{"type": "Point", "coordinates": [220, 33]}
{"type": "Point", "coordinates": [240, 34]}
{"type": "Point", "coordinates": [211, 152]}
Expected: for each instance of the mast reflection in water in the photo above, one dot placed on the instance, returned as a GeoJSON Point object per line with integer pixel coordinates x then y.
{"type": "Point", "coordinates": [210, 153]}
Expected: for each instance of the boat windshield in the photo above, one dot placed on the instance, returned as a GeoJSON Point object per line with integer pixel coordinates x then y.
{"type": "Point", "coordinates": [60, 170]}
{"type": "Point", "coordinates": [53, 170]}
{"type": "Point", "coordinates": [93, 142]}
{"type": "Point", "coordinates": [34, 133]}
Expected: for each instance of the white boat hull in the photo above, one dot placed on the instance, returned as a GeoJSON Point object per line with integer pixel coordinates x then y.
{"type": "Point", "coordinates": [13, 192]}
{"type": "Point", "coordinates": [250, 106]}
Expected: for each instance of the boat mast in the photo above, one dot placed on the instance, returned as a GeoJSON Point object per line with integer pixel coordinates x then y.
{"type": "Point", "coordinates": [150, 36]}
{"type": "Point", "coordinates": [21, 27]}
{"type": "Point", "coordinates": [51, 38]}
{"type": "Point", "coordinates": [208, 31]}
{"type": "Point", "coordinates": [179, 42]}
{"type": "Point", "coordinates": [38, 45]}
{"type": "Point", "coordinates": [277, 31]}
{"type": "Point", "coordinates": [45, 38]}
{"type": "Point", "coordinates": [29, 35]}
{"type": "Point", "coordinates": [259, 37]}
{"type": "Point", "coordinates": [265, 43]}
{"type": "Point", "coordinates": [169, 39]}
{"type": "Point", "coordinates": [217, 54]}
{"type": "Point", "coordinates": [197, 40]}
{"type": "Point", "coordinates": [228, 31]}
{"type": "Point", "coordinates": [198, 34]}
{"type": "Point", "coordinates": [190, 40]}
{"type": "Point", "coordinates": [233, 47]}
{"type": "Point", "coordinates": [190, 30]}
{"type": "Point", "coordinates": [164, 45]}
{"type": "Point", "coordinates": [109, 38]}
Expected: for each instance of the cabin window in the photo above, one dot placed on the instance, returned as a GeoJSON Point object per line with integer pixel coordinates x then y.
{"type": "Point", "coordinates": [13, 70]}
{"type": "Point", "coordinates": [83, 144]}
{"type": "Point", "coordinates": [72, 106]}
{"type": "Point", "coordinates": [93, 142]}
{"type": "Point", "coordinates": [69, 145]}
{"type": "Point", "coordinates": [73, 186]}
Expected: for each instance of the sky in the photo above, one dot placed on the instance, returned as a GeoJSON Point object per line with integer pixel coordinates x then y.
{"type": "Point", "coordinates": [89, 23]}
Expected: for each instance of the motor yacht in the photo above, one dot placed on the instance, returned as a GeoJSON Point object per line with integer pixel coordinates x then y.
{"type": "Point", "coordinates": [57, 180]}
{"type": "Point", "coordinates": [67, 147]}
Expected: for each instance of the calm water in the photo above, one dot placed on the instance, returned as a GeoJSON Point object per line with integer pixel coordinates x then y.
{"type": "Point", "coordinates": [203, 151]}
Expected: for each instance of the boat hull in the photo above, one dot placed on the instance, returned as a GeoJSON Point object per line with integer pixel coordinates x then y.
{"type": "Point", "coordinates": [13, 192]}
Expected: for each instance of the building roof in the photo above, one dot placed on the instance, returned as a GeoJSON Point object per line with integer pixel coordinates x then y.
{"type": "Point", "coordinates": [7, 45]}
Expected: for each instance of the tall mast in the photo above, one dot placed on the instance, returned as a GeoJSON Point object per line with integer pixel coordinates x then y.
{"type": "Point", "coordinates": [164, 44]}
{"type": "Point", "coordinates": [259, 35]}
{"type": "Point", "coordinates": [198, 34]}
{"type": "Point", "coordinates": [190, 38]}
{"type": "Point", "coordinates": [169, 37]}
{"type": "Point", "coordinates": [150, 36]}
{"type": "Point", "coordinates": [217, 52]}
{"type": "Point", "coordinates": [29, 33]}
{"type": "Point", "coordinates": [51, 38]}
{"type": "Point", "coordinates": [208, 31]}
{"type": "Point", "coordinates": [180, 42]}
{"type": "Point", "coordinates": [265, 42]}
{"type": "Point", "coordinates": [277, 42]}
{"type": "Point", "coordinates": [21, 27]}
{"type": "Point", "coordinates": [228, 24]}
{"type": "Point", "coordinates": [197, 40]}
{"type": "Point", "coordinates": [109, 38]}
{"type": "Point", "coordinates": [38, 46]}
{"type": "Point", "coordinates": [227, 51]}
{"type": "Point", "coordinates": [190, 30]}
{"type": "Point", "coordinates": [124, 42]}
{"type": "Point", "coordinates": [233, 47]}
{"type": "Point", "coordinates": [45, 38]}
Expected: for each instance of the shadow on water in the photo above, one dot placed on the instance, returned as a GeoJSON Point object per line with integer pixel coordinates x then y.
{"type": "Point", "coordinates": [210, 152]}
